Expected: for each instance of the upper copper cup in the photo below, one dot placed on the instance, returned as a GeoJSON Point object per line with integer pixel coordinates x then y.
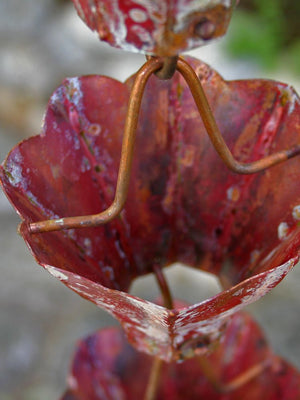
{"type": "Point", "coordinates": [157, 27]}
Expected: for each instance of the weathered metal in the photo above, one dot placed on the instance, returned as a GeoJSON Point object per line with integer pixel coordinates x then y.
{"type": "Point", "coordinates": [158, 27]}
{"type": "Point", "coordinates": [128, 142]}
{"type": "Point", "coordinates": [183, 205]}
{"type": "Point", "coordinates": [136, 96]}
{"type": "Point", "coordinates": [106, 365]}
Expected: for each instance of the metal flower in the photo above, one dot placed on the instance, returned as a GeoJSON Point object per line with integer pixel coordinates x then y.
{"type": "Point", "coordinates": [183, 204]}
{"type": "Point", "coordinates": [159, 27]}
{"type": "Point", "coordinates": [106, 366]}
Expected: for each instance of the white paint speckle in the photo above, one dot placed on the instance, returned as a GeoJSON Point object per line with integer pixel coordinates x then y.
{"type": "Point", "coordinates": [120, 250]}
{"type": "Point", "coordinates": [233, 193]}
{"type": "Point", "coordinates": [87, 243]}
{"type": "Point", "coordinates": [142, 33]}
{"type": "Point", "coordinates": [282, 230]}
{"type": "Point", "coordinates": [72, 382]}
{"type": "Point", "coordinates": [296, 213]}
{"type": "Point", "coordinates": [56, 96]}
{"type": "Point", "coordinates": [85, 165]}
{"type": "Point", "coordinates": [15, 170]}
{"type": "Point", "coordinates": [71, 233]}
{"type": "Point", "coordinates": [109, 272]}
{"type": "Point", "coordinates": [56, 273]}
{"type": "Point", "coordinates": [60, 221]}
{"type": "Point", "coordinates": [238, 292]}
{"type": "Point", "coordinates": [138, 15]}
{"type": "Point", "coordinates": [15, 177]}
{"type": "Point", "coordinates": [254, 256]}
{"type": "Point", "coordinates": [94, 129]}
{"type": "Point", "coordinates": [292, 98]}
{"type": "Point", "coordinates": [74, 92]}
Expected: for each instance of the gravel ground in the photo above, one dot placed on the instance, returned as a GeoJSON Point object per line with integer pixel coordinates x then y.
{"type": "Point", "coordinates": [40, 320]}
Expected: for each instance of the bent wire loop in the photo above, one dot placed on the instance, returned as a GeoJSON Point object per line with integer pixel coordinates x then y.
{"type": "Point", "coordinates": [156, 65]}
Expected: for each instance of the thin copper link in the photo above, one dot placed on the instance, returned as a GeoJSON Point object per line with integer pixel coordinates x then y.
{"type": "Point", "coordinates": [164, 287]}
{"type": "Point", "coordinates": [154, 379]}
{"type": "Point", "coordinates": [237, 382]}
{"type": "Point", "coordinates": [168, 68]}
{"type": "Point", "coordinates": [215, 136]}
{"type": "Point", "coordinates": [117, 205]}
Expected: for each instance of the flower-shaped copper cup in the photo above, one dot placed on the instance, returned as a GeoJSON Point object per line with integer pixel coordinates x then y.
{"type": "Point", "coordinates": [183, 204]}
{"type": "Point", "coordinates": [104, 362]}
{"type": "Point", "coordinates": [157, 27]}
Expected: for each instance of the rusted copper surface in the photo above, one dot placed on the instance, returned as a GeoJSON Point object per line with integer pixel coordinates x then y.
{"type": "Point", "coordinates": [158, 27]}
{"type": "Point", "coordinates": [105, 360]}
{"type": "Point", "coordinates": [214, 133]}
{"type": "Point", "coordinates": [125, 162]}
{"type": "Point", "coordinates": [164, 67]}
{"type": "Point", "coordinates": [183, 204]}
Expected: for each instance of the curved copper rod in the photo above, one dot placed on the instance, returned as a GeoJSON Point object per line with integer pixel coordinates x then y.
{"type": "Point", "coordinates": [151, 66]}
{"type": "Point", "coordinates": [117, 205]}
{"type": "Point", "coordinates": [214, 133]}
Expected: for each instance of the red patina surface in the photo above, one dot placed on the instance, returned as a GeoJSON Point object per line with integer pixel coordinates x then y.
{"type": "Point", "coordinates": [183, 204]}
{"type": "Point", "coordinates": [161, 27]}
{"type": "Point", "coordinates": [106, 366]}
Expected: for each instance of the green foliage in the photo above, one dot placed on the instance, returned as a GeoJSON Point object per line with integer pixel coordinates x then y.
{"type": "Point", "coordinates": [264, 30]}
{"type": "Point", "coordinates": [293, 57]}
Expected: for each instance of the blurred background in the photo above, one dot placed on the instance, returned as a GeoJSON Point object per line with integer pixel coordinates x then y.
{"type": "Point", "coordinates": [41, 42]}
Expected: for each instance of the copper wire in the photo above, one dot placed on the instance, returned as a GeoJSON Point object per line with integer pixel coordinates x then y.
{"type": "Point", "coordinates": [117, 205]}
{"type": "Point", "coordinates": [153, 65]}
{"type": "Point", "coordinates": [214, 133]}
